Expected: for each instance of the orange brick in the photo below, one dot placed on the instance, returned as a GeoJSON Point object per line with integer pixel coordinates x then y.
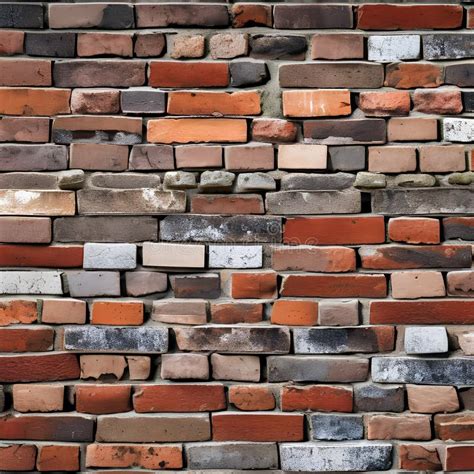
{"type": "Point", "coordinates": [254, 285]}
{"type": "Point", "coordinates": [383, 104]}
{"type": "Point", "coordinates": [251, 398]}
{"type": "Point", "coordinates": [103, 399]}
{"type": "Point", "coordinates": [17, 457]}
{"type": "Point", "coordinates": [18, 311]}
{"type": "Point", "coordinates": [188, 74]}
{"type": "Point", "coordinates": [414, 230]}
{"type": "Point", "coordinates": [58, 458]}
{"type": "Point", "coordinates": [316, 103]}
{"type": "Point", "coordinates": [24, 101]}
{"type": "Point", "coordinates": [410, 75]}
{"type": "Point", "coordinates": [197, 130]}
{"type": "Point", "coordinates": [295, 313]}
{"type": "Point", "coordinates": [25, 72]}
{"type": "Point", "coordinates": [316, 398]}
{"type": "Point", "coordinates": [214, 103]}
{"type": "Point", "coordinates": [126, 313]}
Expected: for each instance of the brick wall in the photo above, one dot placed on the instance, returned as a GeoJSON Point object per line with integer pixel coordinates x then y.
{"type": "Point", "coordinates": [236, 236]}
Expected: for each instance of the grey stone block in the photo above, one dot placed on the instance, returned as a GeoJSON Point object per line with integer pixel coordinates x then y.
{"type": "Point", "coordinates": [316, 182]}
{"type": "Point", "coordinates": [86, 284]}
{"type": "Point", "coordinates": [116, 339]}
{"type": "Point", "coordinates": [125, 180]}
{"type": "Point", "coordinates": [426, 340]}
{"type": "Point", "coordinates": [232, 455]}
{"type": "Point", "coordinates": [333, 427]}
{"type": "Point", "coordinates": [468, 101]}
{"type": "Point", "coordinates": [345, 457]}
{"type": "Point", "coordinates": [454, 371]}
{"type": "Point", "coordinates": [235, 229]}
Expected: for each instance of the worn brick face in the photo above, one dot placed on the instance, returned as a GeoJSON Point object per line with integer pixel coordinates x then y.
{"type": "Point", "coordinates": [236, 236]}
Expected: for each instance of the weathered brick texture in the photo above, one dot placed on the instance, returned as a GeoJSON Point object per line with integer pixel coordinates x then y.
{"type": "Point", "coordinates": [236, 236]}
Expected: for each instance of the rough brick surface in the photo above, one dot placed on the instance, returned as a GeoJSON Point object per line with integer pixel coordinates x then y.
{"type": "Point", "coordinates": [236, 236]}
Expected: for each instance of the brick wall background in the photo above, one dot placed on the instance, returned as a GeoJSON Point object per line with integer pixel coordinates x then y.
{"type": "Point", "coordinates": [236, 236]}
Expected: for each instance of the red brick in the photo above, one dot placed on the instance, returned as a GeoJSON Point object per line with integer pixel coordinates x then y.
{"type": "Point", "coordinates": [178, 398]}
{"type": "Point", "coordinates": [254, 285]}
{"type": "Point", "coordinates": [26, 340]}
{"type": "Point", "coordinates": [18, 311]}
{"type": "Point", "coordinates": [274, 130]}
{"type": "Point", "coordinates": [419, 457]}
{"type": "Point", "coordinates": [313, 259]}
{"type": "Point", "coordinates": [234, 313]}
{"type": "Point", "coordinates": [470, 17]}
{"type": "Point", "coordinates": [47, 427]}
{"type": "Point", "coordinates": [317, 398]}
{"type": "Point", "coordinates": [58, 458]}
{"type": "Point", "coordinates": [247, 14]}
{"type": "Point", "coordinates": [445, 101]}
{"type": "Point", "coordinates": [459, 458]}
{"type": "Point", "coordinates": [25, 129]}
{"type": "Point", "coordinates": [422, 312]}
{"type": "Point", "coordinates": [67, 256]}
{"type": "Point", "coordinates": [196, 130]}
{"type": "Point", "coordinates": [214, 103]}
{"type": "Point", "coordinates": [383, 104]}
{"type": "Point", "coordinates": [39, 368]}
{"type": "Point", "coordinates": [95, 101]}
{"type": "Point", "coordinates": [410, 75]}
{"type": "Point", "coordinates": [262, 427]}
{"type": "Point", "coordinates": [409, 17]}
{"type": "Point", "coordinates": [294, 312]}
{"type": "Point", "coordinates": [11, 42]}
{"type": "Point", "coordinates": [121, 313]}
{"type": "Point", "coordinates": [25, 101]}
{"type": "Point", "coordinates": [146, 456]}
{"type": "Point", "coordinates": [456, 427]}
{"type": "Point", "coordinates": [188, 74]}
{"type": "Point", "coordinates": [103, 399]}
{"type": "Point", "coordinates": [227, 204]}
{"type": "Point", "coordinates": [414, 230]}
{"type": "Point", "coordinates": [25, 72]}
{"type": "Point", "coordinates": [17, 457]}
{"type": "Point", "coordinates": [334, 286]}
{"type": "Point", "coordinates": [251, 398]}
{"type": "Point", "coordinates": [334, 230]}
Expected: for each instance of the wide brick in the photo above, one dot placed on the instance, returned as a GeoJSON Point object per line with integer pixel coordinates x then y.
{"type": "Point", "coordinates": [458, 458]}
{"type": "Point", "coordinates": [388, 48]}
{"type": "Point", "coordinates": [99, 15]}
{"type": "Point", "coordinates": [31, 282]}
{"type": "Point", "coordinates": [220, 229]}
{"type": "Point", "coordinates": [25, 72]}
{"type": "Point", "coordinates": [316, 398]}
{"type": "Point", "coordinates": [173, 255]}
{"type": "Point", "coordinates": [214, 103]}
{"type": "Point", "coordinates": [35, 230]}
{"type": "Point", "coordinates": [24, 129]}
{"type": "Point", "coordinates": [39, 397]}
{"type": "Point", "coordinates": [92, 156]}
{"type": "Point", "coordinates": [275, 48]}
{"type": "Point", "coordinates": [142, 100]}
{"type": "Point", "coordinates": [317, 369]}
{"type": "Point", "coordinates": [395, 256]}
{"type": "Point", "coordinates": [334, 286]}
{"type": "Point", "coordinates": [58, 457]}
{"type": "Point", "coordinates": [33, 158]}
{"type": "Point", "coordinates": [134, 455]}
{"type": "Point", "coordinates": [234, 339]}
{"type": "Point", "coordinates": [110, 256]}
{"type": "Point", "coordinates": [17, 457]}
{"type": "Point", "coordinates": [95, 101]}
{"type": "Point", "coordinates": [422, 312]}
{"type": "Point", "coordinates": [410, 75]}
{"type": "Point", "coordinates": [318, 103]}
{"type": "Point", "coordinates": [444, 101]}
{"type": "Point", "coordinates": [340, 457]}
{"type": "Point", "coordinates": [98, 44]}
{"type": "Point", "coordinates": [18, 311]}
{"type": "Point", "coordinates": [180, 311]}
{"type": "Point", "coordinates": [153, 428]}
{"type": "Point", "coordinates": [337, 46]}
{"type": "Point", "coordinates": [333, 75]}
{"type": "Point", "coordinates": [254, 285]}
{"type": "Point", "coordinates": [313, 259]}
{"type": "Point", "coordinates": [442, 159]}
{"type": "Point", "coordinates": [198, 156]}
{"type": "Point", "coordinates": [415, 427]}
{"type": "Point", "coordinates": [412, 129]}
{"type": "Point", "coordinates": [257, 427]}
{"type": "Point", "coordinates": [426, 399]}
{"type": "Point", "coordinates": [129, 313]}
{"type": "Point", "coordinates": [89, 283]}
{"type": "Point", "coordinates": [47, 427]}
{"type": "Point", "coordinates": [21, 15]}
{"type": "Point", "coordinates": [337, 427]}
{"type": "Point", "coordinates": [392, 159]}
{"type": "Point", "coordinates": [453, 371]}
{"type": "Point", "coordinates": [457, 427]}
{"type": "Point", "coordinates": [110, 339]}
{"type": "Point", "coordinates": [189, 74]}
{"type": "Point", "coordinates": [181, 15]}
{"type": "Point", "coordinates": [103, 73]}
{"type": "Point", "coordinates": [50, 43]}
{"type": "Point", "coordinates": [130, 201]}
{"type": "Point", "coordinates": [234, 313]}
{"type": "Point", "coordinates": [45, 256]}
{"type": "Point", "coordinates": [102, 399]}
{"type": "Point", "coordinates": [419, 457]}
{"type": "Point", "coordinates": [409, 17]}
{"type": "Point", "coordinates": [225, 204]}
{"type": "Point", "coordinates": [415, 230]}
{"type": "Point", "coordinates": [26, 340]}
{"type": "Point", "coordinates": [446, 46]}
{"type": "Point", "coordinates": [312, 16]}
{"type": "Point", "coordinates": [382, 104]}
{"type": "Point", "coordinates": [249, 157]}
{"type": "Point", "coordinates": [197, 130]}
{"type": "Point", "coordinates": [178, 398]}
{"type": "Point", "coordinates": [24, 101]}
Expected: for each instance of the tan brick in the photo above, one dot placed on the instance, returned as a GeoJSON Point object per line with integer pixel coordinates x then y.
{"type": "Point", "coordinates": [417, 284]}
{"type": "Point", "coordinates": [198, 156]}
{"type": "Point", "coordinates": [432, 399]}
{"type": "Point", "coordinates": [26, 230]}
{"type": "Point", "coordinates": [37, 203]}
{"type": "Point", "coordinates": [442, 159]}
{"type": "Point", "coordinates": [188, 46]}
{"type": "Point", "coordinates": [313, 157]}
{"type": "Point", "coordinates": [337, 46]}
{"type": "Point", "coordinates": [43, 398]}
{"type": "Point", "coordinates": [25, 72]}
{"type": "Point", "coordinates": [98, 157]}
{"type": "Point", "coordinates": [412, 129]}
{"type": "Point", "coordinates": [98, 44]}
{"type": "Point", "coordinates": [392, 159]}
{"type": "Point", "coordinates": [256, 157]}
{"type": "Point", "coordinates": [173, 255]}
{"type": "Point", "coordinates": [63, 311]}
{"type": "Point", "coordinates": [95, 366]}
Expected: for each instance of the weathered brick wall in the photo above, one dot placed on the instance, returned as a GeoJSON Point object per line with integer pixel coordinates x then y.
{"type": "Point", "coordinates": [236, 236]}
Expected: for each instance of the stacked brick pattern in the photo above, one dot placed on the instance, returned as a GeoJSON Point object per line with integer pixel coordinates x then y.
{"type": "Point", "coordinates": [236, 236]}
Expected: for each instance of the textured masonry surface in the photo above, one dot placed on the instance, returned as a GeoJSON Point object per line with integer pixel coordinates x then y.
{"type": "Point", "coordinates": [236, 236]}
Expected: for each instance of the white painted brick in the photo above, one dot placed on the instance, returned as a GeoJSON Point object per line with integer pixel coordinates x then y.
{"type": "Point", "coordinates": [389, 48]}
{"type": "Point", "coordinates": [110, 256]}
{"type": "Point", "coordinates": [173, 255]}
{"type": "Point", "coordinates": [458, 130]}
{"type": "Point", "coordinates": [30, 283]}
{"type": "Point", "coordinates": [235, 256]}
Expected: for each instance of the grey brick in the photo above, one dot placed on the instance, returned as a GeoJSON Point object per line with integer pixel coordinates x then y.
{"type": "Point", "coordinates": [84, 284]}
{"type": "Point", "coordinates": [248, 73]}
{"type": "Point", "coordinates": [448, 46]}
{"type": "Point", "coordinates": [143, 101]}
{"type": "Point", "coordinates": [374, 397]}
{"type": "Point", "coordinates": [116, 339]}
{"type": "Point", "coordinates": [278, 47]}
{"type": "Point", "coordinates": [51, 43]}
{"type": "Point", "coordinates": [426, 340]}
{"type": "Point", "coordinates": [346, 158]}
{"type": "Point", "coordinates": [21, 15]}
{"type": "Point", "coordinates": [33, 157]}
{"type": "Point", "coordinates": [312, 16]}
{"type": "Point", "coordinates": [461, 74]}
{"type": "Point", "coordinates": [468, 101]}
{"type": "Point", "coordinates": [316, 182]}
{"type": "Point", "coordinates": [333, 427]}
